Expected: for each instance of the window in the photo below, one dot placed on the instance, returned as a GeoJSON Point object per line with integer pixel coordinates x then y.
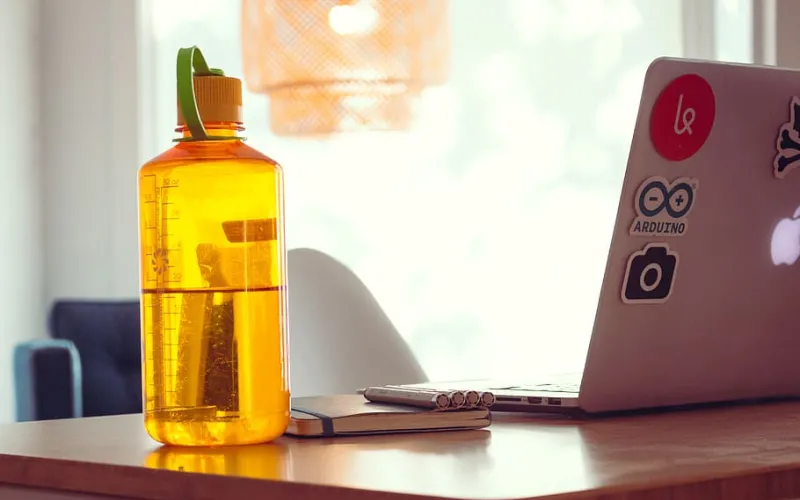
{"type": "Point", "coordinates": [483, 232]}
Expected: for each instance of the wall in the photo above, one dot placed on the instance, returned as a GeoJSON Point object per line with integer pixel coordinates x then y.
{"type": "Point", "coordinates": [20, 218]}
{"type": "Point", "coordinates": [70, 153]}
{"type": "Point", "coordinates": [89, 61]}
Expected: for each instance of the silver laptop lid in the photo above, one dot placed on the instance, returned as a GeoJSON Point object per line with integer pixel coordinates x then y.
{"type": "Point", "coordinates": [701, 295]}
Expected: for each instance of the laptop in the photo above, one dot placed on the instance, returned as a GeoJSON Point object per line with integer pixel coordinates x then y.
{"type": "Point", "coordinates": [700, 300]}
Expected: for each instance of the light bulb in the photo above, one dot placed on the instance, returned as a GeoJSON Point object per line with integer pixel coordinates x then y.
{"type": "Point", "coordinates": [357, 18]}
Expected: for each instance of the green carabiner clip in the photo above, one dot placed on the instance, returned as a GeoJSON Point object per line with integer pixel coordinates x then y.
{"type": "Point", "coordinates": [192, 63]}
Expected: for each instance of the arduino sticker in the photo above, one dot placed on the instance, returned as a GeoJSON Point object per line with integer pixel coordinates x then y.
{"type": "Point", "coordinates": [650, 275]}
{"type": "Point", "coordinates": [788, 142]}
{"type": "Point", "coordinates": [662, 206]}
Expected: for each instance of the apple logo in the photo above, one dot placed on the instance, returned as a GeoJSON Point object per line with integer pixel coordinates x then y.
{"type": "Point", "coordinates": [786, 240]}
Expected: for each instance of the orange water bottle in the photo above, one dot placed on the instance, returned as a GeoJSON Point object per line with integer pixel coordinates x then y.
{"type": "Point", "coordinates": [213, 274]}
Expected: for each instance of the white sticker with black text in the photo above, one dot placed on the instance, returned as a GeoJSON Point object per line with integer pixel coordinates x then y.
{"type": "Point", "coordinates": [662, 207]}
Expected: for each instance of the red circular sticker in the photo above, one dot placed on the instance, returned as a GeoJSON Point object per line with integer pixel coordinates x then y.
{"type": "Point", "coordinates": [682, 117]}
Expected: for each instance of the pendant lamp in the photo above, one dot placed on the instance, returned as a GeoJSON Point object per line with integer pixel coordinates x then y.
{"type": "Point", "coordinates": [340, 65]}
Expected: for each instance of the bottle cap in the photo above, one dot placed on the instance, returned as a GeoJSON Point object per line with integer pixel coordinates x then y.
{"type": "Point", "coordinates": [205, 95]}
{"type": "Point", "coordinates": [218, 98]}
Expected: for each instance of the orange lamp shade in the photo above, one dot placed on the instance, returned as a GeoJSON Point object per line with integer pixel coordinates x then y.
{"type": "Point", "coordinates": [339, 65]}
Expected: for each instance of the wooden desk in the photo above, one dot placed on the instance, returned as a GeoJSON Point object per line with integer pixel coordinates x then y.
{"type": "Point", "coordinates": [728, 453]}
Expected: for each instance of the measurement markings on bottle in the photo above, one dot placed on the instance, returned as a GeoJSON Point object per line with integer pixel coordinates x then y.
{"type": "Point", "coordinates": [160, 214]}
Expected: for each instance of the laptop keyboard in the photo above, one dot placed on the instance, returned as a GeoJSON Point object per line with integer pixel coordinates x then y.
{"type": "Point", "coordinates": [573, 387]}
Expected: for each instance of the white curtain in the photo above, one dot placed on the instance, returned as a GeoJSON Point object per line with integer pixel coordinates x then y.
{"type": "Point", "coordinates": [21, 254]}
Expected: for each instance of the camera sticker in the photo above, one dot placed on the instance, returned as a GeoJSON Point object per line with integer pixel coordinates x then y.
{"type": "Point", "coordinates": [682, 117]}
{"type": "Point", "coordinates": [662, 206]}
{"type": "Point", "coordinates": [649, 275]}
{"type": "Point", "coordinates": [788, 143]}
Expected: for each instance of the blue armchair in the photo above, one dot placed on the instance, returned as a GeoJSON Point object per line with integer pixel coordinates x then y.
{"type": "Point", "coordinates": [91, 365]}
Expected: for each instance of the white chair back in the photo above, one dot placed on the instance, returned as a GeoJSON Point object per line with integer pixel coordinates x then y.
{"type": "Point", "coordinates": [340, 338]}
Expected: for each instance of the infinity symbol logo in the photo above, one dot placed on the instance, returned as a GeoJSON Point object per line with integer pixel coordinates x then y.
{"type": "Point", "coordinates": [658, 195]}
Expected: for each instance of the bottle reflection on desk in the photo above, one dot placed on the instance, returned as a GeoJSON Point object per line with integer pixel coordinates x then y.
{"type": "Point", "coordinates": [264, 461]}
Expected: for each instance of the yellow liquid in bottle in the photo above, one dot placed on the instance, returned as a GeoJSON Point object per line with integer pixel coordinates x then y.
{"type": "Point", "coordinates": [213, 295]}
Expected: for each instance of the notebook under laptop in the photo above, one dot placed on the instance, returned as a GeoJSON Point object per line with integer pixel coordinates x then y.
{"type": "Point", "coordinates": [698, 299]}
